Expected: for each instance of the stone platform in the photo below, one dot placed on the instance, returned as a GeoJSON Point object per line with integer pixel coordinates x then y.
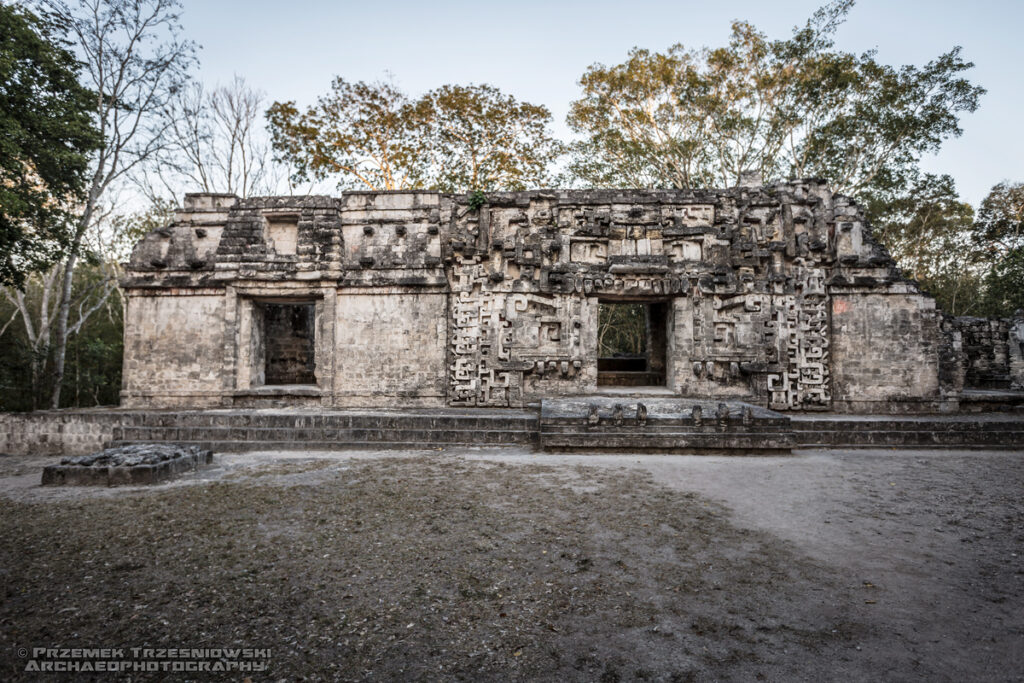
{"type": "Point", "coordinates": [267, 429]}
{"type": "Point", "coordinates": [126, 465]}
{"type": "Point", "coordinates": [556, 424]}
{"type": "Point", "coordinates": [662, 425]}
{"type": "Point", "coordinates": [979, 430]}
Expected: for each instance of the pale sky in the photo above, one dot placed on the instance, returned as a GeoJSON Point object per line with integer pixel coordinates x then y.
{"type": "Point", "coordinates": [537, 51]}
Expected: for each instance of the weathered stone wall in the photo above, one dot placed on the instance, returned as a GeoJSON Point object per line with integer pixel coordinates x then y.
{"type": "Point", "coordinates": [775, 294]}
{"type": "Point", "coordinates": [391, 348]}
{"type": "Point", "coordinates": [743, 273]}
{"type": "Point", "coordinates": [57, 432]}
{"type": "Point", "coordinates": [992, 351]}
{"type": "Point", "coordinates": [174, 349]}
{"type": "Point", "coordinates": [886, 353]}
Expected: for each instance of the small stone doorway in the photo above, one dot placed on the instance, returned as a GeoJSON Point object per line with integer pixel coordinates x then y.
{"type": "Point", "coordinates": [289, 343]}
{"type": "Point", "coordinates": [631, 343]}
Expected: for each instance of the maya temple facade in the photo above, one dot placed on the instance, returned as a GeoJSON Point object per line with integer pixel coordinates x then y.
{"type": "Point", "coordinates": [775, 295]}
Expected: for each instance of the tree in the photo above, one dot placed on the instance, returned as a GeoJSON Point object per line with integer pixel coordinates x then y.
{"type": "Point", "coordinates": [216, 143]}
{"type": "Point", "coordinates": [455, 138]}
{"type": "Point", "coordinates": [135, 62]}
{"type": "Point", "coordinates": [927, 229]}
{"type": "Point", "coordinates": [1004, 285]}
{"type": "Point", "coordinates": [46, 135]}
{"type": "Point", "coordinates": [362, 132]}
{"type": "Point", "coordinates": [999, 231]}
{"type": "Point", "coordinates": [1000, 225]}
{"type": "Point", "coordinates": [478, 138]}
{"type": "Point", "coordinates": [785, 108]}
{"type": "Point", "coordinates": [25, 374]}
{"type": "Point", "coordinates": [621, 328]}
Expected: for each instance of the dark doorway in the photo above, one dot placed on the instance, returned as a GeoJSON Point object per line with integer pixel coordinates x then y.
{"type": "Point", "coordinates": [631, 342]}
{"type": "Point", "coordinates": [288, 334]}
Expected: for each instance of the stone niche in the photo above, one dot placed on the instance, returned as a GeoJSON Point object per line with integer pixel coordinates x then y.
{"type": "Point", "coordinates": [281, 232]}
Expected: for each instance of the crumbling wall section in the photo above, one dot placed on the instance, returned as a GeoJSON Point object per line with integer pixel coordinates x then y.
{"type": "Point", "coordinates": [57, 432]}
{"type": "Point", "coordinates": [987, 344]}
{"type": "Point", "coordinates": [891, 353]}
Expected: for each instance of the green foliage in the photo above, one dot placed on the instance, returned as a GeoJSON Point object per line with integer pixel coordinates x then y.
{"type": "Point", "coordinates": [93, 372]}
{"type": "Point", "coordinates": [455, 138]}
{"type": "Point", "coordinates": [786, 108]}
{"type": "Point", "coordinates": [999, 234]}
{"type": "Point", "coordinates": [363, 132]}
{"type": "Point", "coordinates": [477, 137]}
{"type": "Point", "coordinates": [971, 266]}
{"type": "Point", "coordinates": [927, 229]}
{"type": "Point", "coordinates": [1000, 226]}
{"type": "Point", "coordinates": [621, 328]}
{"type": "Point", "coordinates": [477, 199]}
{"type": "Point", "coordinates": [46, 136]}
{"type": "Point", "coordinates": [1004, 285]}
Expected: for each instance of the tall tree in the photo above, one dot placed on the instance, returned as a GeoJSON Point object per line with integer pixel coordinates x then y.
{"type": "Point", "coordinates": [927, 229]}
{"type": "Point", "coordinates": [362, 133]}
{"type": "Point", "coordinates": [1000, 225]}
{"type": "Point", "coordinates": [786, 108]}
{"type": "Point", "coordinates": [455, 138]}
{"type": "Point", "coordinates": [216, 143]}
{"type": "Point", "coordinates": [999, 231]}
{"type": "Point", "coordinates": [478, 138]}
{"type": "Point", "coordinates": [29, 317]}
{"type": "Point", "coordinates": [46, 136]}
{"type": "Point", "coordinates": [135, 61]}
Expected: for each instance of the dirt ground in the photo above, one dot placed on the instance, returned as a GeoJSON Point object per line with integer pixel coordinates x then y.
{"type": "Point", "coordinates": [499, 564]}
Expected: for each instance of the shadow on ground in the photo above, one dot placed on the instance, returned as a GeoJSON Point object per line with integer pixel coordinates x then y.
{"type": "Point", "coordinates": [474, 568]}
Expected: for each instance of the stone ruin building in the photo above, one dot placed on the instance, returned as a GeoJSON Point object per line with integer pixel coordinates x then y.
{"type": "Point", "coordinates": [775, 295]}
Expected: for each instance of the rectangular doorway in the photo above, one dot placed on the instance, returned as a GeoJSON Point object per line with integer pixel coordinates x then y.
{"type": "Point", "coordinates": [288, 338]}
{"type": "Point", "coordinates": [631, 343]}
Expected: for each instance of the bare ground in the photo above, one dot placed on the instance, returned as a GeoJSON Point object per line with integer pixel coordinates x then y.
{"type": "Point", "coordinates": [500, 564]}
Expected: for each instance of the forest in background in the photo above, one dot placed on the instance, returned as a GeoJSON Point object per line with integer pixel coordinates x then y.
{"type": "Point", "coordinates": [100, 110]}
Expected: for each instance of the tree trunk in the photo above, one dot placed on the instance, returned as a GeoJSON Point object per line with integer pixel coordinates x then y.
{"type": "Point", "coordinates": [61, 342]}
{"type": "Point", "coordinates": [60, 346]}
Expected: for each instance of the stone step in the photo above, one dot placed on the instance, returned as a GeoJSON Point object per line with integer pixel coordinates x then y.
{"type": "Point", "coordinates": [665, 430]}
{"type": "Point", "coordinates": [661, 425]}
{"type": "Point", "coordinates": [988, 400]}
{"type": "Point", "coordinates": [248, 446]}
{"type": "Point", "coordinates": [258, 435]}
{"type": "Point", "coordinates": [516, 421]}
{"type": "Point", "coordinates": [980, 431]}
{"type": "Point", "coordinates": [905, 439]}
{"type": "Point", "coordinates": [667, 441]}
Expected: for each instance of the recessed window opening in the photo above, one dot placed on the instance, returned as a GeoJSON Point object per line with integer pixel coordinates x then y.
{"type": "Point", "coordinates": [289, 342]}
{"type": "Point", "coordinates": [631, 342]}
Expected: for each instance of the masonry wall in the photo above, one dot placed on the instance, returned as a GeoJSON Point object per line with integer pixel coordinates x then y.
{"type": "Point", "coordinates": [57, 432]}
{"type": "Point", "coordinates": [390, 348]}
{"type": "Point", "coordinates": [775, 294]}
{"type": "Point", "coordinates": [744, 273]}
{"type": "Point", "coordinates": [885, 351]}
{"type": "Point", "coordinates": [986, 348]}
{"type": "Point", "coordinates": [174, 349]}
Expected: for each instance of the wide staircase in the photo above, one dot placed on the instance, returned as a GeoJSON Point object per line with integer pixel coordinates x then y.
{"type": "Point", "coordinates": [980, 430]}
{"type": "Point", "coordinates": [248, 430]}
{"type": "Point", "coordinates": [610, 423]}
